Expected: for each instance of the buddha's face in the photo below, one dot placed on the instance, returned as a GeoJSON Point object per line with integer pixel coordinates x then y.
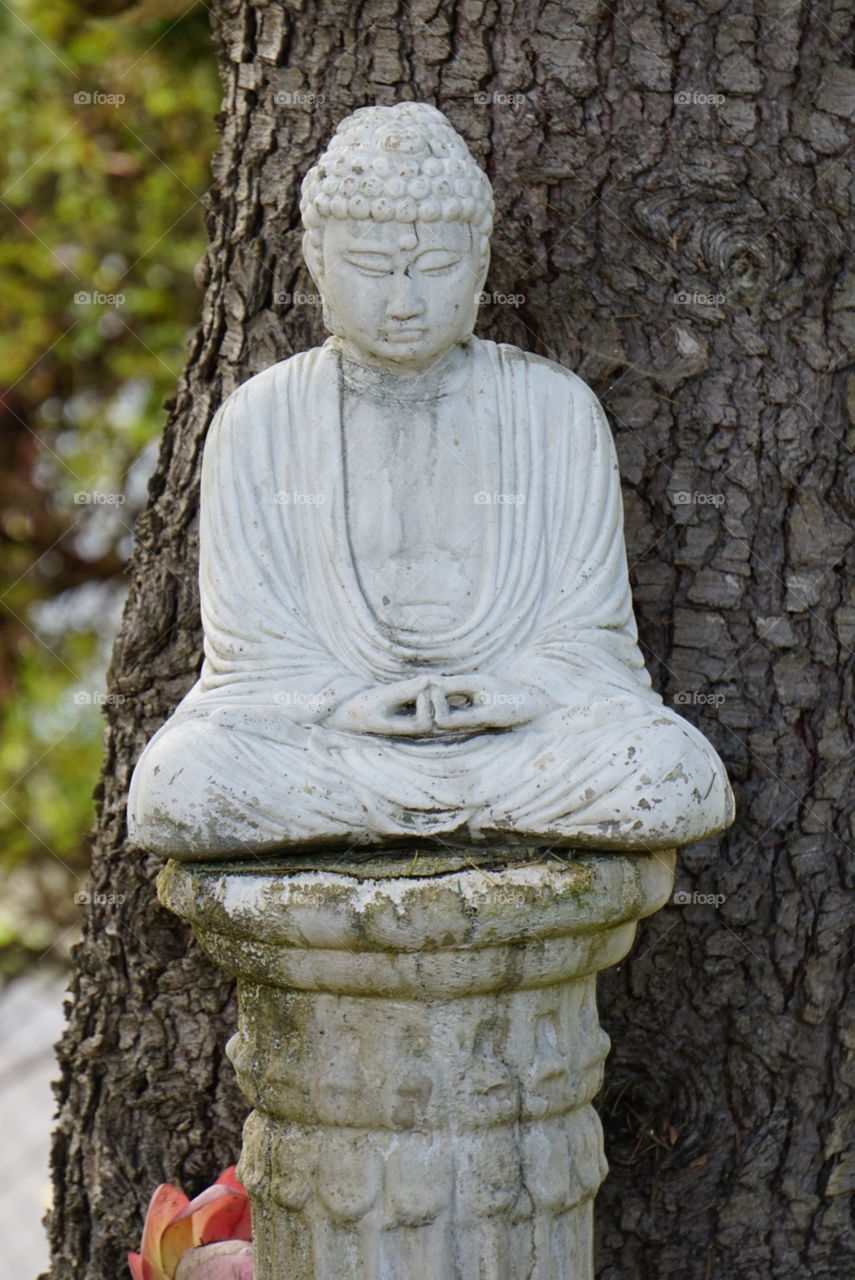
{"type": "Point", "coordinates": [400, 293]}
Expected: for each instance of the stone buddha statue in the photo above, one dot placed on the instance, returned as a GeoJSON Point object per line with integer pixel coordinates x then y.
{"type": "Point", "coordinates": [414, 588]}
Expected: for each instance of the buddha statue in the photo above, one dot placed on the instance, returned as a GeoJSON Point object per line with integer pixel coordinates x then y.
{"type": "Point", "coordinates": [414, 590]}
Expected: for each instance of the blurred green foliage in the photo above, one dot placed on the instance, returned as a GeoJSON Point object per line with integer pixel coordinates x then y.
{"type": "Point", "coordinates": [109, 132]}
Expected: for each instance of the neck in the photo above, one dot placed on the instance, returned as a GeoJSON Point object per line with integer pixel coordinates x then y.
{"type": "Point", "coordinates": [378, 381]}
{"type": "Point", "coordinates": [404, 378]}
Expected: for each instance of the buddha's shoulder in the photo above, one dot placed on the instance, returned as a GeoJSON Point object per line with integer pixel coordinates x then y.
{"type": "Point", "coordinates": [269, 382]}
{"type": "Point", "coordinates": [555, 378]}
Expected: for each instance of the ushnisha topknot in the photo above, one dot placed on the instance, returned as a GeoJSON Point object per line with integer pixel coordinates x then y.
{"type": "Point", "coordinates": [401, 163]}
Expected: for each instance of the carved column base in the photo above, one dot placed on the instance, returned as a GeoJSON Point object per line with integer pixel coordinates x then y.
{"type": "Point", "coordinates": [421, 1053]}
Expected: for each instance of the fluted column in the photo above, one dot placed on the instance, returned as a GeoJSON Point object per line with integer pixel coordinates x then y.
{"type": "Point", "coordinates": [421, 1052]}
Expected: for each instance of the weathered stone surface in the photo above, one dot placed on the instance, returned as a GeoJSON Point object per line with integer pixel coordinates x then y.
{"type": "Point", "coordinates": [418, 626]}
{"type": "Point", "coordinates": [413, 579]}
{"type": "Point", "coordinates": [421, 1054]}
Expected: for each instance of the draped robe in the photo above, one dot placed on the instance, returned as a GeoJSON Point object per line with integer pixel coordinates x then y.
{"type": "Point", "coordinates": [247, 763]}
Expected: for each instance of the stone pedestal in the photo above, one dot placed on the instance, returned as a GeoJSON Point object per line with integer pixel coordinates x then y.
{"type": "Point", "coordinates": [420, 1047]}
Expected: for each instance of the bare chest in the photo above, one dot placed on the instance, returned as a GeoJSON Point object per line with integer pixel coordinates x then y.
{"type": "Point", "coordinates": [412, 473]}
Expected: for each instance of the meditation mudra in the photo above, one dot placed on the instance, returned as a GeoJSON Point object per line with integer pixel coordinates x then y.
{"type": "Point", "coordinates": [414, 587]}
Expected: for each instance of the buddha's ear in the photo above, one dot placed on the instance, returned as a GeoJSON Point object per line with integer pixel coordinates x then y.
{"type": "Point", "coordinates": [313, 256]}
{"type": "Point", "coordinates": [484, 269]}
{"type": "Point", "coordinates": [481, 255]}
{"type": "Point", "coordinates": [478, 290]}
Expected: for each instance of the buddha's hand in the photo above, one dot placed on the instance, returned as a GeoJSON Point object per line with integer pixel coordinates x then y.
{"type": "Point", "coordinates": [403, 709]}
{"type": "Point", "coordinates": [473, 702]}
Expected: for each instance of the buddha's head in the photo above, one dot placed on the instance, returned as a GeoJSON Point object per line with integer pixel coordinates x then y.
{"type": "Point", "coordinates": [397, 219]}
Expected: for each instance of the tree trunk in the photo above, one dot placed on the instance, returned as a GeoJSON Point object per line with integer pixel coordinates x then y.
{"type": "Point", "coordinates": [687, 258]}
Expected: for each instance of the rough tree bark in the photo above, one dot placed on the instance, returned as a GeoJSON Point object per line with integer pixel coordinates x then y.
{"type": "Point", "coordinates": [688, 259]}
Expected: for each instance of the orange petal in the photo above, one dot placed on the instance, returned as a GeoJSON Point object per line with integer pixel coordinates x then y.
{"type": "Point", "coordinates": [213, 1215]}
{"type": "Point", "coordinates": [165, 1205]}
{"type": "Point", "coordinates": [210, 1216]}
{"type": "Point", "coordinates": [186, 1230]}
{"type": "Point", "coordinates": [228, 1178]}
{"type": "Point", "coordinates": [142, 1270]}
{"type": "Point", "coordinates": [178, 1236]}
{"type": "Point", "coordinates": [209, 1196]}
{"type": "Point", "coordinates": [223, 1220]}
{"type": "Point", "coordinates": [243, 1227]}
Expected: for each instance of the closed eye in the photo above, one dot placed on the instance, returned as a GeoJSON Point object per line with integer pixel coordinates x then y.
{"type": "Point", "coordinates": [433, 261]}
{"type": "Point", "coordinates": [370, 264]}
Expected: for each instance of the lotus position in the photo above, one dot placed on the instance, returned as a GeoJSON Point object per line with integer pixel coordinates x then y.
{"type": "Point", "coordinates": [414, 587]}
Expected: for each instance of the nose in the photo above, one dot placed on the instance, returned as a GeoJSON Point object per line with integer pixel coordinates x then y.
{"type": "Point", "coordinates": [404, 301]}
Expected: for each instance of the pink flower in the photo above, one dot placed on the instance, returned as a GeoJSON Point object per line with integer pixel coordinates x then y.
{"type": "Point", "coordinates": [176, 1227]}
{"type": "Point", "coordinates": [227, 1260]}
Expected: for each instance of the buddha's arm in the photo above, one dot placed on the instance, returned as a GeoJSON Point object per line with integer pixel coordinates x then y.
{"type": "Point", "coordinates": [587, 667]}
{"type": "Point", "coordinates": [263, 650]}
{"type": "Point", "coordinates": [582, 642]}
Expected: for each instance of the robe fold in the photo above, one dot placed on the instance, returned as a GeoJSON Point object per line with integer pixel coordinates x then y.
{"type": "Point", "coordinates": [248, 763]}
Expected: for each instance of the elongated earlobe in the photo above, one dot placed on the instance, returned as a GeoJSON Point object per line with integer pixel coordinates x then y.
{"type": "Point", "coordinates": [330, 317]}
{"type": "Point", "coordinates": [313, 256]}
